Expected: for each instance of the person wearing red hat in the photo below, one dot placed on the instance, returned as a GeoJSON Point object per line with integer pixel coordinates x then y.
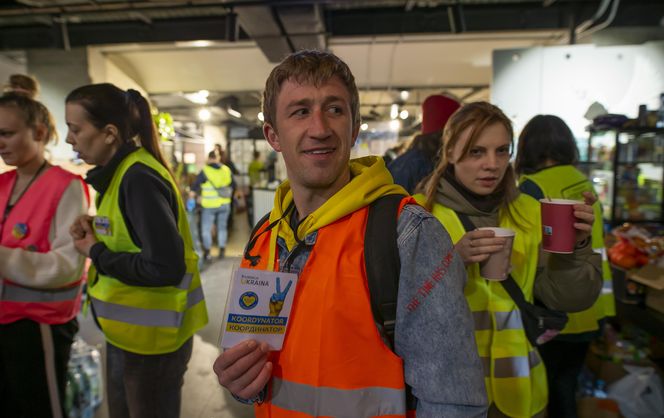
{"type": "Point", "coordinates": [420, 158]}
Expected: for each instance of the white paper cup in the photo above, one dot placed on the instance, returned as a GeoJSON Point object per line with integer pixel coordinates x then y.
{"type": "Point", "coordinates": [497, 266]}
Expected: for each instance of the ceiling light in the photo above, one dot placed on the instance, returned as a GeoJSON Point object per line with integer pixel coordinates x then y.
{"type": "Point", "coordinates": [260, 117]}
{"type": "Point", "coordinates": [403, 114]}
{"type": "Point", "coordinates": [234, 112]}
{"type": "Point", "coordinates": [394, 111]}
{"type": "Point", "coordinates": [195, 44]}
{"type": "Point", "coordinates": [199, 97]}
{"type": "Point", "coordinates": [204, 114]}
{"type": "Point", "coordinates": [364, 126]}
{"type": "Point", "coordinates": [404, 94]}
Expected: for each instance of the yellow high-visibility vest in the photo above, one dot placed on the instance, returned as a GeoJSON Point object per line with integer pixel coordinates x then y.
{"type": "Point", "coordinates": [216, 191]}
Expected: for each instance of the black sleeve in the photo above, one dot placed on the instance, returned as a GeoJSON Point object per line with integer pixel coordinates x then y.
{"type": "Point", "coordinates": [149, 207]}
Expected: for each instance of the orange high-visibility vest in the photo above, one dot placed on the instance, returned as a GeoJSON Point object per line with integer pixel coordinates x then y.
{"type": "Point", "coordinates": [333, 361]}
{"type": "Point", "coordinates": [27, 226]}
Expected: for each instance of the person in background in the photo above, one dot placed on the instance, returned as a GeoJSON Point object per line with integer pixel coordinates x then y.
{"type": "Point", "coordinates": [474, 179]}
{"type": "Point", "coordinates": [418, 161]}
{"type": "Point", "coordinates": [214, 184]}
{"type": "Point", "coordinates": [23, 84]}
{"type": "Point", "coordinates": [144, 285]}
{"type": "Point", "coordinates": [255, 170]}
{"type": "Point", "coordinates": [225, 158]}
{"type": "Point", "coordinates": [334, 361]}
{"type": "Point", "coordinates": [256, 167]}
{"type": "Point", "coordinates": [545, 162]}
{"type": "Point", "coordinates": [41, 273]}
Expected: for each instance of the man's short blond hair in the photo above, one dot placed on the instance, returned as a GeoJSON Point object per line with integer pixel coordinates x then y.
{"type": "Point", "coordinates": [309, 67]}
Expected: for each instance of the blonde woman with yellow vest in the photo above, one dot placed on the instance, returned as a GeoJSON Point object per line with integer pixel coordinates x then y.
{"type": "Point", "coordinates": [41, 273]}
{"type": "Point", "coordinates": [144, 284]}
{"type": "Point", "coordinates": [474, 178]}
{"type": "Point", "coordinates": [545, 162]}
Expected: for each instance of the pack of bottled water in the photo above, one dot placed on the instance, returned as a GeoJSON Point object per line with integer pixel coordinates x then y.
{"type": "Point", "coordinates": [84, 391]}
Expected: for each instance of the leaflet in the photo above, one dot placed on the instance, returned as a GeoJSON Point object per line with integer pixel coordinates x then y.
{"type": "Point", "coordinates": [258, 307]}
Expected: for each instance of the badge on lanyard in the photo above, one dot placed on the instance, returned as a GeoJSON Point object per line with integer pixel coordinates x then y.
{"type": "Point", "coordinates": [102, 225]}
{"type": "Point", "coordinates": [20, 230]}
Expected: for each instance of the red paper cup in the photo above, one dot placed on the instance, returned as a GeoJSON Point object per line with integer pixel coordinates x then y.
{"type": "Point", "coordinates": [558, 233]}
{"type": "Point", "coordinates": [498, 264]}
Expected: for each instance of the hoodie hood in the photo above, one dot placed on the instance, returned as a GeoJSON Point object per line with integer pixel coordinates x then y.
{"type": "Point", "coordinates": [370, 180]}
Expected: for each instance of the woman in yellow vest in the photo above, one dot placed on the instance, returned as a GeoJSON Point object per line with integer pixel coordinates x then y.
{"type": "Point", "coordinates": [40, 270]}
{"type": "Point", "coordinates": [144, 285]}
{"type": "Point", "coordinates": [545, 162]}
{"type": "Point", "coordinates": [474, 178]}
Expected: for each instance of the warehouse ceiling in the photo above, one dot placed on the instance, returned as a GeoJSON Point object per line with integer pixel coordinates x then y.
{"type": "Point", "coordinates": [172, 47]}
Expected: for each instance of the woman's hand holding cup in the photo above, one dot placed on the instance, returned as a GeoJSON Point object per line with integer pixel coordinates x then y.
{"type": "Point", "coordinates": [476, 246]}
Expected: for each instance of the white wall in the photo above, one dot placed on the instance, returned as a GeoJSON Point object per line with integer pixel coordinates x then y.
{"type": "Point", "coordinates": [58, 72]}
{"type": "Point", "coordinates": [566, 80]}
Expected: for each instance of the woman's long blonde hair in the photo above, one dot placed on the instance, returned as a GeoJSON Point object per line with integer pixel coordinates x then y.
{"type": "Point", "coordinates": [478, 116]}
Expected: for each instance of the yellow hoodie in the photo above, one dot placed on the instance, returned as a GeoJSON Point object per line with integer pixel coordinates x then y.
{"type": "Point", "coordinates": [370, 180]}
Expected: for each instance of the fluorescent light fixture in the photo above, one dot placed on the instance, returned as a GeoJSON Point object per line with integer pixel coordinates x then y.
{"type": "Point", "coordinates": [403, 114]}
{"type": "Point", "coordinates": [204, 114]}
{"type": "Point", "coordinates": [260, 117]}
{"type": "Point", "coordinates": [193, 44]}
{"type": "Point", "coordinates": [394, 111]}
{"type": "Point", "coordinates": [364, 126]}
{"type": "Point", "coordinates": [199, 97]}
{"type": "Point", "coordinates": [234, 112]}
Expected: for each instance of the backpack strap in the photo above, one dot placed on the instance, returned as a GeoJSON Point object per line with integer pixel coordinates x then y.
{"type": "Point", "coordinates": [381, 258]}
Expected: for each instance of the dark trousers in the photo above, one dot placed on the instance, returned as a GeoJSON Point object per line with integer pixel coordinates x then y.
{"type": "Point", "coordinates": [563, 361]}
{"type": "Point", "coordinates": [25, 351]}
{"type": "Point", "coordinates": [145, 386]}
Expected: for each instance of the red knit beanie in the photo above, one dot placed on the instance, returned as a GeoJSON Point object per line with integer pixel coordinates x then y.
{"type": "Point", "coordinates": [436, 110]}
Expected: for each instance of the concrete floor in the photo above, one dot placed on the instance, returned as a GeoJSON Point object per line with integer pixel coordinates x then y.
{"type": "Point", "coordinates": [202, 396]}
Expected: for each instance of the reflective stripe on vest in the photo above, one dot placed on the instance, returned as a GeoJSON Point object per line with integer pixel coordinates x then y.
{"type": "Point", "coordinates": [565, 181]}
{"type": "Point", "coordinates": [332, 402]}
{"type": "Point", "coordinates": [512, 366]}
{"type": "Point", "coordinates": [145, 317]}
{"type": "Point", "coordinates": [25, 294]}
{"type": "Point", "coordinates": [504, 320]}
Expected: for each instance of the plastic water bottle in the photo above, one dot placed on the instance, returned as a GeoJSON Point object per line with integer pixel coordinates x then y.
{"type": "Point", "coordinates": [191, 204]}
{"type": "Point", "coordinates": [600, 389]}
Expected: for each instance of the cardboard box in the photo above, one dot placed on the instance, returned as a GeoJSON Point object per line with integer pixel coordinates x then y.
{"type": "Point", "coordinates": [652, 277]}
{"type": "Point", "coordinates": [603, 369]}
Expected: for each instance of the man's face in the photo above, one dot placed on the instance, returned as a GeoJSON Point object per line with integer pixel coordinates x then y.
{"type": "Point", "coordinates": [313, 129]}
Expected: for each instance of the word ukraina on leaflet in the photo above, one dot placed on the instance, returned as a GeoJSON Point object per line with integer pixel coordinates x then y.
{"type": "Point", "coordinates": [258, 306]}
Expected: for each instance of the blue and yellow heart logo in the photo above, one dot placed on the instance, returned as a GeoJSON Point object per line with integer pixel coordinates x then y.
{"type": "Point", "coordinates": [248, 300]}
{"type": "Point", "coordinates": [20, 230]}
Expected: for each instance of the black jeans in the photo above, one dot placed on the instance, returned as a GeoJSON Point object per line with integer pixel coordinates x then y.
{"type": "Point", "coordinates": [24, 391]}
{"type": "Point", "coordinates": [563, 361]}
{"type": "Point", "coordinates": [145, 386]}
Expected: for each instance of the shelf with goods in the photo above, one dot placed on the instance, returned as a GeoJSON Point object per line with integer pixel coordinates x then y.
{"type": "Point", "coordinates": [626, 168]}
